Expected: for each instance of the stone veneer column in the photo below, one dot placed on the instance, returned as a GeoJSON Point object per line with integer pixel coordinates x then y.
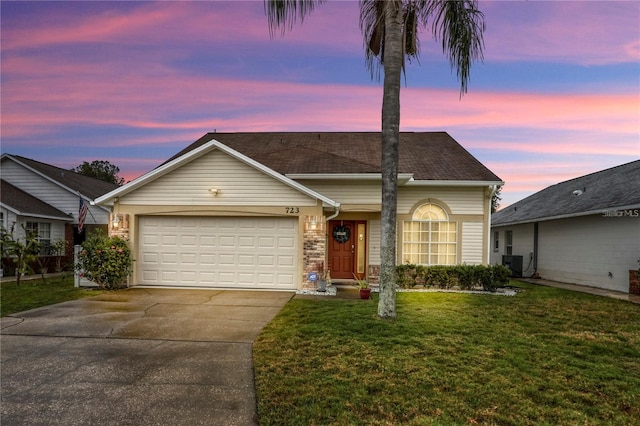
{"type": "Point", "coordinates": [313, 251]}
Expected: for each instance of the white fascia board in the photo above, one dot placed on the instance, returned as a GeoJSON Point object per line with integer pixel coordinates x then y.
{"type": "Point", "coordinates": [11, 209]}
{"type": "Point", "coordinates": [38, 216]}
{"type": "Point", "coordinates": [455, 183]}
{"type": "Point", "coordinates": [403, 178]}
{"type": "Point", "coordinates": [151, 175]}
{"type": "Point", "coordinates": [209, 146]}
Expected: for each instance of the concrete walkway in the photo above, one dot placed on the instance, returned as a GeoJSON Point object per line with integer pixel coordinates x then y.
{"type": "Point", "coordinates": [634, 298]}
{"type": "Point", "coordinates": [136, 357]}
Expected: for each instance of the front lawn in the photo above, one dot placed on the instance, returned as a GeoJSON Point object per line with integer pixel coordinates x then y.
{"type": "Point", "coordinates": [31, 294]}
{"type": "Point", "coordinates": [544, 357]}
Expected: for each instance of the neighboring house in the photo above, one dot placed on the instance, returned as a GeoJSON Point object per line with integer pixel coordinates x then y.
{"type": "Point", "coordinates": [261, 210]}
{"type": "Point", "coordinates": [46, 199]}
{"type": "Point", "coordinates": [583, 231]}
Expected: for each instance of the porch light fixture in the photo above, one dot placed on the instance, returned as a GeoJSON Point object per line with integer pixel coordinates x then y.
{"type": "Point", "coordinates": [314, 223]}
{"type": "Point", "coordinates": [214, 191]}
{"type": "Point", "coordinates": [116, 221]}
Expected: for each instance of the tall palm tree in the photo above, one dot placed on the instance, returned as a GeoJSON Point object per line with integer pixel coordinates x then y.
{"type": "Point", "coordinates": [390, 30]}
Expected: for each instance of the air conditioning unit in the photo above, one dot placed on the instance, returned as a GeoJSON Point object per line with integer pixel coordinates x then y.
{"type": "Point", "coordinates": [514, 263]}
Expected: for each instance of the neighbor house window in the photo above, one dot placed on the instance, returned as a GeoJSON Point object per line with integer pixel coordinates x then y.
{"type": "Point", "coordinates": [508, 243]}
{"type": "Point", "coordinates": [496, 241]}
{"type": "Point", "coordinates": [42, 231]}
{"type": "Point", "coordinates": [429, 238]}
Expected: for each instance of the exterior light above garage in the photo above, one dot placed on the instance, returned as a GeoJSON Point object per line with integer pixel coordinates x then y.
{"type": "Point", "coordinates": [214, 191]}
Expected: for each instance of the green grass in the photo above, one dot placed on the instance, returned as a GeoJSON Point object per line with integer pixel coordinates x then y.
{"type": "Point", "coordinates": [36, 293]}
{"type": "Point", "coordinates": [544, 357]}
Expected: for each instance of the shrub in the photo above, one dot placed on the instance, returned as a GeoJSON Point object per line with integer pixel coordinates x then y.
{"type": "Point", "coordinates": [106, 261]}
{"type": "Point", "coordinates": [465, 277]}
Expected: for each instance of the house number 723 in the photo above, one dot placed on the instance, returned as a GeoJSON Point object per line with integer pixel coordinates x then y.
{"type": "Point", "coordinates": [292, 210]}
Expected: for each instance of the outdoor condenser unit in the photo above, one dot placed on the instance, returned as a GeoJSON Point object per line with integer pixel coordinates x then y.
{"type": "Point", "coordinates": [514, 263]}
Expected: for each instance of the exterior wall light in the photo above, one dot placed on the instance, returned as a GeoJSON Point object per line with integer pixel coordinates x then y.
{"type": "Point", "coordinates": [214, 191]}
{"type": "Point", "coordinates": [314, 223]}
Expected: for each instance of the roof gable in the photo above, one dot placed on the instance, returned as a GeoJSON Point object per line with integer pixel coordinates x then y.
{"type": "Point", "coordinates": [196, 153]}
{"type": "Point", "coordinates": [614, 188]}
{"type": "Point", "coordinates": [24, 204]}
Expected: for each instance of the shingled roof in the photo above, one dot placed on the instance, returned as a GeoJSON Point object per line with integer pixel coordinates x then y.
{"type": "Point", "coordinates": [88, 186]}
{"type": "Point", "coordinates": [616, 188]}
{"type": "Point", "coordinates": [25, 204]}
{"type": "Point", "coordinates": [427, 155]}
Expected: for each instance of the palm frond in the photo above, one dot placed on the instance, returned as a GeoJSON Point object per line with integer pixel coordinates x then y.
{"type": "Point", "coordinates": [372, 28]}
{"type": "Point", "coordinates": [283, 14]}
{"type": "Point", "coordinates": [460, 25]}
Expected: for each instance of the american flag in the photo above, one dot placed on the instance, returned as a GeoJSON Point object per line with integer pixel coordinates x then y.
{"type": "Point", "coordinates": [82, 215]}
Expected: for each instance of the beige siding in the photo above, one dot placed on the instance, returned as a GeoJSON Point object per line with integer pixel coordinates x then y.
{"type": "Point", "coordinates": [472, 242]}
{"type": "Point", "coordinates": [459, 200]}
{"type": "Point", "coordinates": [374, 242]}
{"type": "Point", "coordinates": [238, 183]}
{"type": "Point", "coordinates": [347, 193]}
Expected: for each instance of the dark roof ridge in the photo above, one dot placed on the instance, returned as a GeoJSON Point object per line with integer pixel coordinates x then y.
{"type": "Point", "coordinates": [596, 172]}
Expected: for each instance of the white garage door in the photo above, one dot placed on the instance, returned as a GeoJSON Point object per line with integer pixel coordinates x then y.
{"type": "Point", "coordinates": [218, 252]}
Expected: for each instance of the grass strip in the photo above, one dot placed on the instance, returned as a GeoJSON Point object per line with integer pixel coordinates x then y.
{"type": "Point", "coordinates": [36, 293]}
{"type": "Point", "coordinates": [544, 357]}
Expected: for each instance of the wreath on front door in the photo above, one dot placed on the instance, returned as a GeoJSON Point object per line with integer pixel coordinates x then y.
{"type": "Point", "coordinates": [341, 233]}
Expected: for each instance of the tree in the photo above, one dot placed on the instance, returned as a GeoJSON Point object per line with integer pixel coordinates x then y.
{"type": "Point", "coordinates": [23, 253]}
{"type": "Point", "coordinates": [100, 169]}
{"type": "Point", "coordinates": [390, 30]}
{"type": "Point", "coordinates": [495, 200]}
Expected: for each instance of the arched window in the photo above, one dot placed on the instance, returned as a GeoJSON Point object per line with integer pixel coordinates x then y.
{"type": "Point", "coordinates": [429, 238]}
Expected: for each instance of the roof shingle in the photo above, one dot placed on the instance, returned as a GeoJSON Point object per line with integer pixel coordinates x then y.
{"type": "Point", "coordinates": [88, 186]}
{"type": "Point", "coordinates": [604, 190]}
{"type": "Point", "coordinates": [428, 155]}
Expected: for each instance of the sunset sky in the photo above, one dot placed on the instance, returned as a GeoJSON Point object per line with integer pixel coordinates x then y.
{"type": "Point", "coordinates": [557, 96]}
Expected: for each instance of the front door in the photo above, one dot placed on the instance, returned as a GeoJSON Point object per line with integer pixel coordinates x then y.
{"type": "Point", "coordinates": [347, 247]}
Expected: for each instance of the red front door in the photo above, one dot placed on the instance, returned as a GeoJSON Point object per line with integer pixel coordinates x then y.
{"type": "Point", "coordinates": [342, 241]}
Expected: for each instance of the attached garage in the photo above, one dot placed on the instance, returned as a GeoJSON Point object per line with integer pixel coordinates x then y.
{"type": "Point", "coordinates": [224, 252]}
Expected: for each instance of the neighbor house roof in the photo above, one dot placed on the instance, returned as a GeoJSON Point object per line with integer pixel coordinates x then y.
{"type": "Point", "coordinates": [432, 156]}
{"type": "Point", "coordinates": [88, 186]}
{"type": "Point", "coordinates": [24, 204]}
{"type": "Point", "coordinates": [615, 188]}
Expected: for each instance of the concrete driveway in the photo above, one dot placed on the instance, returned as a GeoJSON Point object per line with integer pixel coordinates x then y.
{"type": "Point", "coordinates": [136, 357]}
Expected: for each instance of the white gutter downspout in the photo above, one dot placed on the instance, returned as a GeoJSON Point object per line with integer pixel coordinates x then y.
{"type": "Point", "coordinates": [333, 216]}
{"type": "Point", "coordinates": [492, 191]}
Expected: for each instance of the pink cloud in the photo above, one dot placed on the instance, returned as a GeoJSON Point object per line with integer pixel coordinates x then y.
{"type": "Point", "coordinates": [195, 23]}
{"type": "Point", "coordinates": [617, 113]}
{"type": "Point", "coordinates": [582, 32]}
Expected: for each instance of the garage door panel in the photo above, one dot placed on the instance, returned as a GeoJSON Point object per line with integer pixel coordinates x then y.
{"type": "Point", "coordinates": [218, 252]}
{"type": "Point", "coordinates": [247, 242]}
{"type": "Point", "coordinates": [151, 258]}
{"type": "Point", "coordinates": [227, 241]}
{"type": "Point", "coordinates": [205, 260]}
{"type": "Point", "coordinates": [285, 261]}
{"type": "Point", "coordinates": [286, 242]}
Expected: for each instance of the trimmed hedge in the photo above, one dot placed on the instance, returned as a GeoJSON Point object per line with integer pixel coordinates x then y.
{"type": "Point", "coordinates": [464, 277]}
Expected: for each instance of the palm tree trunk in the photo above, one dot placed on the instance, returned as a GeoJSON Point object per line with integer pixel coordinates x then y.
{"type": "Point", "coordinates": [393, 59]}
